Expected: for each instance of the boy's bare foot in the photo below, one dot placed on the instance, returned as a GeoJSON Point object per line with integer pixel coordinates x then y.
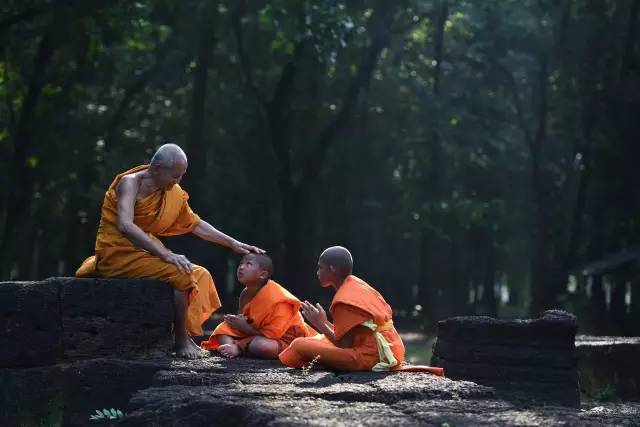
{"type": "Point", "coordinates": [229, 350]}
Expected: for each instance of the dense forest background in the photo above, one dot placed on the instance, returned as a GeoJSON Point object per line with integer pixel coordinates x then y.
{"type": "Point", "coordinates": [477, 157]}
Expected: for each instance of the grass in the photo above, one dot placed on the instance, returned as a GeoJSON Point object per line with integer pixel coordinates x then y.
{"type": "Point", "coordinates": [418, 347]}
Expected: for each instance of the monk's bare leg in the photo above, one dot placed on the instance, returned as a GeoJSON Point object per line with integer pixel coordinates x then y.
{"type": "Point", "coordinates": [263, 348]}
{"type": "Point", "coordinates": [228, 347]}
{"type": "Point", "coordinates": [184, 345]}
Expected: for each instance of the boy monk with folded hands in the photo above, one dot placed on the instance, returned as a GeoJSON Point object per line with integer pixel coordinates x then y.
{"type": "Point", "coordinates": [269, 318]}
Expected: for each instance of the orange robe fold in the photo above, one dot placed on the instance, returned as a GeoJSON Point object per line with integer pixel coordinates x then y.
{"type": "Point", "coordinates": [354, 303]}
{"type": "Point", "coordinates": [162, 213]}
{"type": "Point", "coordinates": [273, 311]}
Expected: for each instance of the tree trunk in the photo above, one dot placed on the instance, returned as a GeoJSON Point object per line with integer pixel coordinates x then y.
{"type": "Point", "coordinates": [196, 146]}
{"type": "Point", "coordinates": [489, 296]}
{"type": "Point", "coordinates": [295, 260]}
{"type": "Point", "coordinates": [428, 289]}
{"type": "Point", "coordinates": [21, 174]}
{"type": "Point", "coordinates": [544, 271]}
{"type": "Point", "coordinates": [433, 281]}
{"type": "Point", "coordinates": [435, 276]}
{"type": "Point", "coordinates": [618, 308]}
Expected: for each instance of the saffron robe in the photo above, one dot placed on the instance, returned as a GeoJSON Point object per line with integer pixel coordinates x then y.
{"type": "Point", "coordinates": [376, 344]}
{"type": "Point", "coordinates": [273, 311]}
{"type": "Point", "coordinates": [162, 213]}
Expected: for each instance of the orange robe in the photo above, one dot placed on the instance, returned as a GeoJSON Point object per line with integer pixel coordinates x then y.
{"type": "Point", "coordinates": [273, 311]}
{"type": "Point", "coordinates": [354, 305]}
{"type": "Point", "coordinates": [162, 213]}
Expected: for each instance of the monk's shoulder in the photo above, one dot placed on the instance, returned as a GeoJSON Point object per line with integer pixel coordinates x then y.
{"type": "Point", "coordinates": [128, 183]}
{"type": "Point", "coordinates": [180, 191]}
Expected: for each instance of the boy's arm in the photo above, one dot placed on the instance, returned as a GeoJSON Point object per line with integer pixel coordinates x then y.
{"type": "Point", "coordinates": [318, 319]}
{"type": "Point", "coordinates": [239, 322]}
{"type": "Point", "coordinates": [345, 342]}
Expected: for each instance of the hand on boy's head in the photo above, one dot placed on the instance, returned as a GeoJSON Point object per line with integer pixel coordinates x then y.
{"type": "Point", "coordinates": [243, 248]}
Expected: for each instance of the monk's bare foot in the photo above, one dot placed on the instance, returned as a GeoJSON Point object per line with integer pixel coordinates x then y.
{"type": "Point", "coordinates": [187, 349]}
{"type": "Point", "coordinates": [201, 353]}
{"type": "Point", "coordinates": [229, 350]}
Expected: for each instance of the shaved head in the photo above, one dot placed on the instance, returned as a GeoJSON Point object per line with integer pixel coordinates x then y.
{"type": "Point", "coordinates": [338, 257]}
{"type": "Point", "coordinates": [168, 155]}
{"type": "Point", "coordinates": [264, 261]}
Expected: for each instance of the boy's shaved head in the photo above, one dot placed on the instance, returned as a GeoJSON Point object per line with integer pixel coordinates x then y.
{"type": "Point", "coordinates": [264, 261]}
{"type": "Point", "coordinates": [338, 257]}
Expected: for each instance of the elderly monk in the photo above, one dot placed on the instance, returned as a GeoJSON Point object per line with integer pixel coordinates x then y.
{"type": "Point", "coordinates": [140, 205]}
{"type": "Point", "coordinates": [362, 336]}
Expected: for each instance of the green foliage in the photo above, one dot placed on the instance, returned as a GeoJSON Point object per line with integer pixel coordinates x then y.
{"type": "Point", "coordinates": [431, 170]}
{"type": "Point", "coordinates": [107, 414]}
{"type": "Point", "coordinates": [606, 394]}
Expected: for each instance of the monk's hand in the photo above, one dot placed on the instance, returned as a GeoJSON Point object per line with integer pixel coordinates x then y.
{"type": "Point", "coordinates": [315, 314]}
{"type": "Point", "coordinates": [180, 261]}
{"type": "Point", "coordinates": [243, 248]}
{"type": "Point", "coordinates": [237, 321]}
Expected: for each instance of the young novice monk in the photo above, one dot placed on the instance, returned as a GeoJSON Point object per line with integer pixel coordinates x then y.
{"type": "Point", "coordinates": [269, 316]}
{"type": "Point", "coordinates": [362, 337]}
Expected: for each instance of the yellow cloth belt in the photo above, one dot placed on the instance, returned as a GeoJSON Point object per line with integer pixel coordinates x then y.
{"type": "Point", "coordinates": [387, 359]}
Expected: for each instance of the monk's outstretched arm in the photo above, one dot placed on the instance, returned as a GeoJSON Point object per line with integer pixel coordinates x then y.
{"type": "Point", "coordinates": [127, 191]}
{"type": "Point", "coordinates": [206, 231]}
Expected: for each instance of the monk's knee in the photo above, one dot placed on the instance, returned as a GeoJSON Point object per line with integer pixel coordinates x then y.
{"type": "Point", "coordinates": [263, 348]}
{"type": "Point", "coordinates": [298, 343]}
{"type": "Point", "coordinates": [200, 271]}
{"type": "Point", "coordinates": [303, 346]}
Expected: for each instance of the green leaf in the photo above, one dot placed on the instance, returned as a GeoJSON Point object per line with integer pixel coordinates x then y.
{"type": "Point", "coordinates": [418, 35]}
{"type": "Point", "coordinates": [290, 48]}
{"type": "Point", "coordinates": [32, 161]}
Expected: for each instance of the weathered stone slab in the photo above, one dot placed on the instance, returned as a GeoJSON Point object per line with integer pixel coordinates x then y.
{"type": "Point", "coordinates": [474, 352]}
{"type": "Point", "coordinates": [555, 328]}
{"type": "Point", "coordinates": [66, 393]}
{"type": "Point", "coordinates": [234, 392]}
{"type": "Point", "coordinates": [609, 367]}
{"type": "Point", "coordinates": [528, 359]}
{"type": "Point", "coordinates": [256, 393]}
{"type": "Point", "coordinates": [153, 389]}
{"type": "Point", "coordinates": [30, 327]}
{"type": "Point", "coordinates": [102, 317]}
{"type": "Point", "coordinates": [216, 391]}
{"type": "Point", "coordinates": [67, 318]}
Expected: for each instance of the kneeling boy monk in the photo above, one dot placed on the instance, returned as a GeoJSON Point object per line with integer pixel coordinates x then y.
{"type": "Point", "coordinates": [362, 337]}
{"type": "Point", "coordinates": [269, 316]}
